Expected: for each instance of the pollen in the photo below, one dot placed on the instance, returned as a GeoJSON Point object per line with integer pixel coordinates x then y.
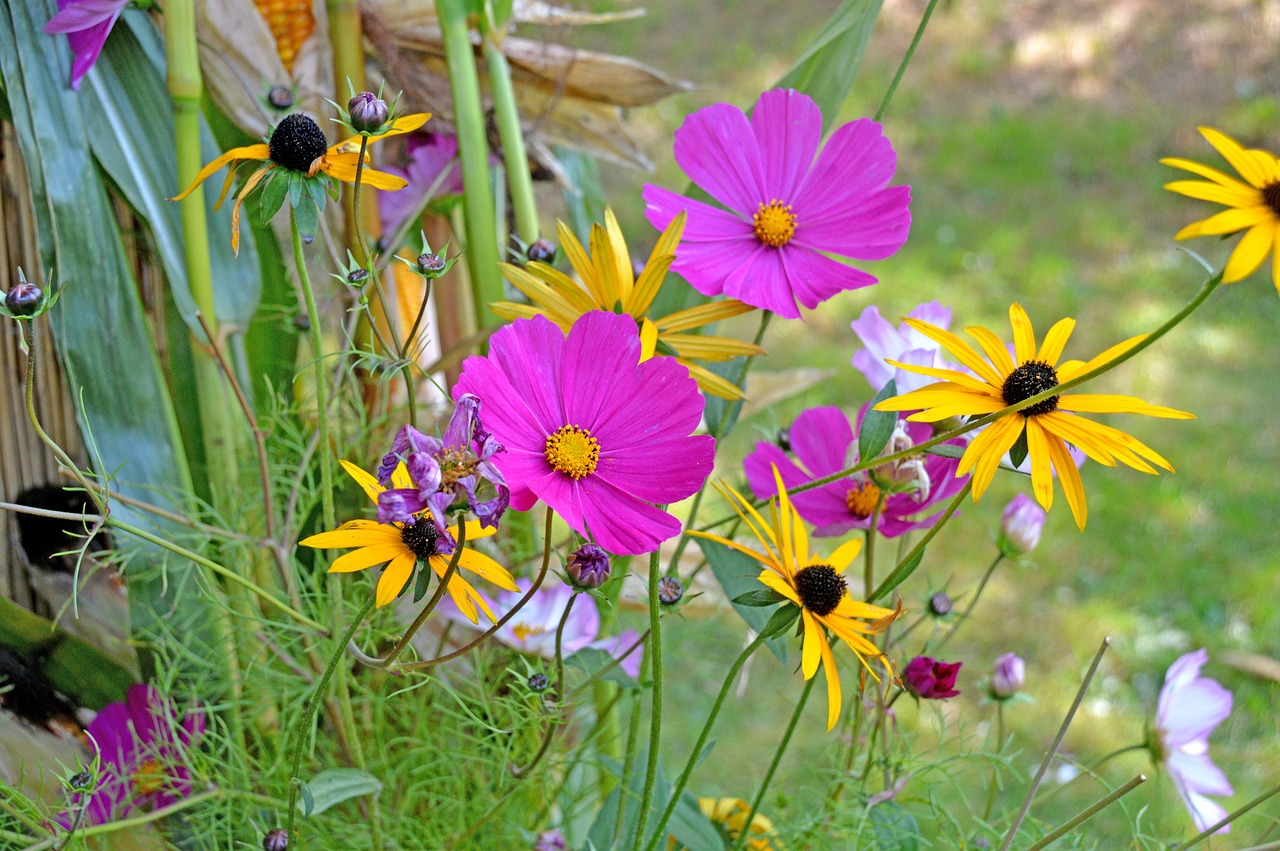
{"type": "Point", "coordinates": [456, 464]}
{"type": "Point", "coordinates": [573, 451]}
{"type": "Point", "coordinates": [148, 777]}
{"type": "Point", "coordinates": [820, 588]}
{"type": "Point", "coordinates": [774, 223]}
{"type": "Point", "coordinates": [1031, 379]}
{"type": "Point", "coordinates": [420, 537]}
{"type": "Point", "coordinates": [524, 631]}
{"type": "Point", "coordinates": [297, 142]}
{"type": "Point", "coordinates": [862, 499]}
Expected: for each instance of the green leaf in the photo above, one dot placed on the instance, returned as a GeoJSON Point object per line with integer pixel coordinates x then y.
{"type": "Point", "coordinates": [1018, 452]}
{"type": "Point", "coordinates": [900, 573]}
{"type": "Point", "coordinates": [335, 785]}
{"type": "Point", "coordinates": [829, 65]}
{"type": "Point", "coordinates": [77, 669]}
{"type": "Point", "coordinates": [721, 414]}
{"type": "Point", "coordinates": [271, 194]}
{"type": "Point", "coordinates": [737, 574]}
{"type": "Point", "coordinates": [946, 450]}
{"type": "Point", "coordinates": [693, 830]}
{"type": "Point", "coordinates": [756, 599]}
{"type": "Point", "coordinates": [295, 187]}
{"type": "Point", "coordinates": [781, 620]}
{"type": "Point", "coordinates": [894, 828]}
{"type": "Point", "coordinates": [877, 426]}
{"type": "Point", "coordinates": [593, 660]}
{"type": "Point", "coordinates": [308, 218]}
{"type": "Point", "coordinates": [306, 801]}
{"type": "Point", "coordinates": [318, 188]}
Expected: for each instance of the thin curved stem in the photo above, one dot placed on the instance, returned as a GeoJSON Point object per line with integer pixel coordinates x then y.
{"type": "Point", "coordinates": [906, 59]}
{"type": "Point", "coordinates": [1088, 813]}
{"type": "Point", "coordinates": [322, 386]}
{"type": "Point", "coordinates": [655, 706]}
{"type": "Point", "coordinates": [441, 587]}
{"type": "Point", "coordinates": [973, 601]}
{"type": "Point", "coordinates": [909, 562]}
{"type": "Point", "coordinates": [869, 554]}
{"type": "Point", "coordinates": [557, 719]}
{"type": "Point", "coordinates": [773, 764]}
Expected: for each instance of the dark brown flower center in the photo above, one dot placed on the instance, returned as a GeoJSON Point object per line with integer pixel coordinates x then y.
{"type": "Point", "coordinates": [420, 537]}
{"type": "Point", "coordinates": [1031, 379]}
{"type": "Point", "coordinates": [1271, 196]}
{"type": "Point", "coordinates": [820, 588]}
{"type": "Point", "coordinates": [297, 142]}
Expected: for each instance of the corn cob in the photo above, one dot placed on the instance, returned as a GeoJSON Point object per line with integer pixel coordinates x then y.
{"type": "Point", "coordinates": [292, 22]}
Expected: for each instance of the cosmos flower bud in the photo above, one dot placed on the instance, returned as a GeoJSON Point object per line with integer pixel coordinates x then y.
{"type": "Point", "coordinates": [929, 679]}
{"type": "Point", "coordinates": [940, 604]}
{"type": "Point", "coordinates": [80, 780]}
{"type": "Point", "coordinates": [1020, 526]}
{"type": "Point", "coordinates": [538, 682]}
{"type": "Point", "coordinates": [357, 276]}
{"type": "Point", "coordinates": [588, 566]}
{"type": "Point", "coordinates": [368, 112]}
{"type": "Point", "coordinates": [541, 251]}
{"type": "Point", "coordinates": [24, 298]}
{"type": "Point", "coordinates": [276, 840]}
{"type": "Point", "coordinates": [431, 265]}
{"type": "Point", "coordinates": [1009, 677]}
{"type": "Point", "coordinates": [670, 590]}
{"type": "Point", "coordinates": [280, 97]}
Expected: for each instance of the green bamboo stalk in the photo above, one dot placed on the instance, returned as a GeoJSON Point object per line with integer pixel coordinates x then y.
{"type": "Point", "coordinates": [473, 146]}
{"type": "Point", "coordinates": [509, 131]}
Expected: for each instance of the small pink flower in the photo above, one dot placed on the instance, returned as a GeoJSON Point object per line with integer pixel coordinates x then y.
{"type": "Point", "coordinates": [1020, 525]}
{"type": "Point", "coordinates": [929, 679]}
{"type": "Point", "coordinates": [591, 430]}
{"type": "Point", "coordinates": [1009, 676]}
{"type": "Point", "coordinates": [786, 211]}
{"type": "Point", "coordinates": [1189, 708]}
{"type": "Point", "coordinates": [87, 24]}
{"type": "Point", "coordinates": [882, 341]}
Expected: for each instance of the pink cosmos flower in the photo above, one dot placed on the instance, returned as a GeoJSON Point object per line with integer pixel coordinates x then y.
{"type": "Point", "coordinates": [433, 169]}
{"type": "Point", "coordinates": [929, 679]}
{"type": "Point", "coordinates": [1189, 708]}
{"type": "Point", "coordinates": [786, 210]}
{"type": "Point", "coordinates": [591, 430]}
{"type": "Point", "coordinates": [823, 443]}
{"type": "Point", "coordinates": [143, 748]}
{"type": "Point", "coordinates": [87, 24]}
{"type": "Point", "coordinates": [533, 629]}
{"type": "Point", "coordinates": [905, 344]}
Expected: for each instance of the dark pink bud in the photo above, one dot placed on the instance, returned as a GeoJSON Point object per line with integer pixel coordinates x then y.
{"type": "Point", "coordinates": [368, 112]}
{"type": "Point", "coordinates": [930, 679]}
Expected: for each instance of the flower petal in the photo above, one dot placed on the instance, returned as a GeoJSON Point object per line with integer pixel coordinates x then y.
{"type": "Point", "coordinates": [1250, 251]}
{"type": "Point", "coordinates": [394, 577]}
{"type": "Point", "coordinates": [248, 152]}
{"type": "Point", "coordinates": [368, 556]}
{"type": "Point", "coordinates": [717, 149]}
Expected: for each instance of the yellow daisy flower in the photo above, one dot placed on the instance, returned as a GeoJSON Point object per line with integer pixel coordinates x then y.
{"type": "Point", "coordinates": [814, 583]}
{"type": "Point", "coordinates": [1255, 204]}
{"type": "Point", "coordinates": [731, 814]}
{"type": "Point", "coordinates": [404, 546]}
{"type": "Point", "coordinates": [298, 144]}
{"type": "Point", "coordinates": [609, 283]}
{"type": "Point", "coordinates": [1049, 425]}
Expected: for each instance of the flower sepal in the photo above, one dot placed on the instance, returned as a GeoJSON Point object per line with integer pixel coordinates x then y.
{"type": "Point", "coordinates": [430, 264]}
{"type": "Point", "coordinates": [26, 300]}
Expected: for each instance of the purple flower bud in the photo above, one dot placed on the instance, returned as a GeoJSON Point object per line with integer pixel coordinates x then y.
{"type": "Point", "coordinates": [368, 112]}
{"type": "Point", "coordinates": [930, 679]}
{"type": "Point", "coordinates": [1020, 526]}
{"type": "Point", "coordinates": [280, 97]}
{"type": "Point", "coordinates": [1009, 677]}
{"type": "Point", "coordinates": [940, 605]}
{"type": "Point", "coordinates": [80, 780]}
{"type": "Point", "coordinates": [357, 276]}
{"type": "Point", "coordinates": [276, 840]}
{"type": "Point", "coordinates": [24, 298]}
{"type": "Point", "coordinates": [670, 590]}
{"type": "Point", "coordinates": [550, 840]}
{"type": "Point", "coordinates": [431, 264]}
{"type": "Point", "coordinates": [541, 251]}
{"type": "Point", "coordinates": [588, 566]}
{"type": "Point", "coordinates": [538, 682]}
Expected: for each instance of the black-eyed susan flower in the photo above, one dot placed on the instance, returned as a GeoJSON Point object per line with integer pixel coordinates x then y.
{"type": "Point", "coordinates": [999, 381]}
{"type": "Point", "coordinates": [609, 283]}
{"type": "Point", "coordinates": [297, 148]}
{"type": "Point", "coordinates": [402, 546]}
{"type": "Point", "coordinates": [1254, 204]}
{"type": "Point", "coordinates": [814, 583]}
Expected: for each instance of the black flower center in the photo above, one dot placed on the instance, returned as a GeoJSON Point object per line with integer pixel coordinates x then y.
{"type": "Point", "coordinates": [1031, 379]}
{"type": "Point", "coordinates": [1271, 196]}
{"type": "Point", "coordinates": [297, 142]}
{"type": "Point", "coordinates": [820, 588]}
{"type": "Point", "coordinates": [420, 537]}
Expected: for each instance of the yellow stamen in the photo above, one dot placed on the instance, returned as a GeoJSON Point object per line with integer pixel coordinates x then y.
{"type": "Point", "coordinates": [862, 499]}
{"type": "Point", "coordinates": [148, 777]}
{"type": "Point", "coordinates": [523, 631]}
{"type": "Point", "coordinates": [572, 451]}
{"type": "Point", "coordinates": [775, 224]}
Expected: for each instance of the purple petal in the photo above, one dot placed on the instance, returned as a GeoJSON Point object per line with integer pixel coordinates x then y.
{"type": "Point", "coordinates": [856, 161]}
{"type": "Point", "coordinates": [759, 469]}
{"type": "Point", "coordinates": [788, 129]}
{"type": "Point", "coordinates": [820, 438]}
{"type": "Point", "coordinates": [880, 340]}
{"type": "Point", "coordinates": [872, 227]}
{"type": "Point", "coordinates": [1204, 812]}
{"type": "Point", "coordinates": [622, 524]}
{"type": "Point", "coordinates": [1194, 710]}
{"type": "Point", "coordinates": [424, 471]}
{"type": "Point", "coordinates": [762, 281]}
{"type": "Point", "coordinates": [83, 14]}
{"type": "Point", "coordinates": [932, 312]}
{"type": "Point", "coordinates": [716, 148]}
{"type": "Point", "coordinates": [598, 370]}
{"type": "Point", "coordinates": [1198, 773]}
{"type": "Point", "coordinates": [625, 641]}
{"type": "Point", "coordinates": [399, 505]}
{"type": "Point", "coordinates": [662, 471]}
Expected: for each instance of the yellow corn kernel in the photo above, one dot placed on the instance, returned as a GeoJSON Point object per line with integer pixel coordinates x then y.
{"type": "Point", "coordinates": [292, 22]}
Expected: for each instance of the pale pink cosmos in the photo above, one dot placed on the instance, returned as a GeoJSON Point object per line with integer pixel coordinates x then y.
{"type": "Point", "coordinates": [87, 23]}
{"type": "Point", "coordinates": [881, 340]}
{"type": "Point", "coordinates": [822, 443]}
{"type": "Point", "coordinates": [788, 206]}
{"type": "Point", "coordinates": [542, 390]}
{"type": "Point", "coordinates": [1189, 708]}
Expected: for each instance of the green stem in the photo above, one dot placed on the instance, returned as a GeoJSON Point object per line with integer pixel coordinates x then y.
{"type": "Point", "coordinates": [909, 562]}
{"type": "Point", "coordinates": [509, 131]}
{"type": "Point", "coordinates": [629, 761]}
{"type": "Point", "coordinates": [1230, 817]}
{"type": "Point", "coordinates": [356, 213]}
{"type": "Point", "coordinates": [906, 59]}
{"type": "Point", "coordinates": [473, 145]}
{"type": "Point", "coordinates": [137, 821]}
{"type": "Point", "coordinates": [324, 450]}
{"type": "Point", "coordinates": [1088, 813]}
{"type": "Point", "coordinates": [773, 764]}
{"type": "Point", "coordinates": [441, 586]}
{"type": "Point", "coordinates": [995, 772]}
{"type": "Point", "coordinates": [1092, 771]}
{"type": "Point", "coordinates": [678, 789]}
{"type": "Point", "coordinates": [308, 716]}
{"type": "Point", "coordinates": [973, 601]}
{"type": "Point", "coordinates": [557, 719]}
{"type": "Point", "coordinates": [655, 706]}
{"type": "Point", "coordinates": [869, 557]}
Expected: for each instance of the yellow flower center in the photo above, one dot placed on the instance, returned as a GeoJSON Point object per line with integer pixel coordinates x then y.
{"type": "Point", "coordinates": [862, 499]}
{"type": "Point", "coordinates": [523, 631]}
{"type": "Point", "coordinates": [148, 777]}
{"type": "Point", "coordinates": [573, 451]}
{"type": "Point", "coordinates": [775, 224]}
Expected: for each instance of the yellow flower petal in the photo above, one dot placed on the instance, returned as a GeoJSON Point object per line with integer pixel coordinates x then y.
{"type": "Point", "coordinates": [950, 375]}
{"type": "Point", "coordinates": [1041, 463]}
{"type": "Point", "coordinates": [703, 314]}
{"type": "Point", "coordinates": [581, 263]}
{"type": "Point", "coordinates": [1245, 196]}
{"type": "Point", "coordinates": [845, 554]}
{"type": "Point", "coordinates": [1069, 475]}
{"type": "Point", "coordinates": [711, 383]}
{"type": "Point", "coordinates": [706, 347]}
{"type": "Point", "coordinates": [1107, 403]}
{"type": "Point", "coordinates": [648, 339]}
{"type": "Point", "coordinates": [621, 271]}
{"type": "Point", "coordinates": [833, 684]}
{"type": "Point", "coordinates": [1250, 251]}
{"type": "Point", "coordinates": [394, 577]}
{"type": "Point", "coordinates": [1024, 336]}
{"type": "Point", "coordinates": [368, 556]}
{"type": "Point", "coordinates": [343, 167]}
{"type": "Point", "coordinates": [772, 580]}
{"type": "Point", "coordinates": [655, 268]}
{"type": "Point", "coordinates": [1228, 221]}
{"type": "Point", "coordinates": [810, 654]}
{"type": "Point", "coordinates": [1242, 161]}
{"type": "Point", "coordinates": [346, 536]}
{"type": "Point", "coordinates": [365, 480]}
{"type": "Point", "coordinates": [1055, 341]}
{"type": "Point", "coordinates": [1205, 171]}
{"type": "Point", "coordinates": [1070, 370]}
{"type": "Point", "coordinates": [993, 347]}
{"type": "Point", "coordinates": [485, 567]}
{"type": "Point", "coordinates": [984, 453]}
{"type": "Point", "coordinates": [248, 152]}
{"type": "Point", "coordinates": [959, 349]}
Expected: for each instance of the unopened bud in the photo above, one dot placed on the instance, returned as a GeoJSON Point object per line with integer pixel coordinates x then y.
{"type": "Point", "coordinates": [368, 112]}
{"type": "Point", "coordinates": [1020, 526]}
{"type": "Point", "coordinates": [588, 566]}
{"type": "Point", "coordinates": [24, 298]}
{"type": "Point", "coordinates": [550, 840]}
{"type": "Point", "coordinates": [670, 590]}
{"type": "Point", "coordinates": [541, 251]}
{"type": "Point", "coordinates": [80, 780]}
{"type": "Point", "coordinates": [783, 439]}
{"type": "Point", "coordinates": [357, 276]}
{"type": "Point", "coordinates": [276, 840]}
{"type": "Point", "coordinates": [1009, 677]}
{"type": "Point", "coordinates": [940, 604]}
{"type": "Point", "coordinates": [431, 264]}
{"type": "Point", "coordinates": [280, 97]}
{"type": "Point", "coordinates": [538, 682]}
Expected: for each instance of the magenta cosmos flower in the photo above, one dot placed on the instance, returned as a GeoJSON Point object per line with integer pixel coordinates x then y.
{"type": "Point", "coordinates": [786, 210]}
{"type": "Point", "coordinates": [143, 747]}
{"type": "Point", "coordinates": [87, 24]}
{"type": "Point", "coordinates": [1189, 708]}
{"type": "Point", "coordinates": [882, 341]}
{"type": "Point", "coordinates": [929, 679]}
{"type": "Point", "coordinates": [591, 430]}
{"type": "Point", "coordinates": [823, 443]}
